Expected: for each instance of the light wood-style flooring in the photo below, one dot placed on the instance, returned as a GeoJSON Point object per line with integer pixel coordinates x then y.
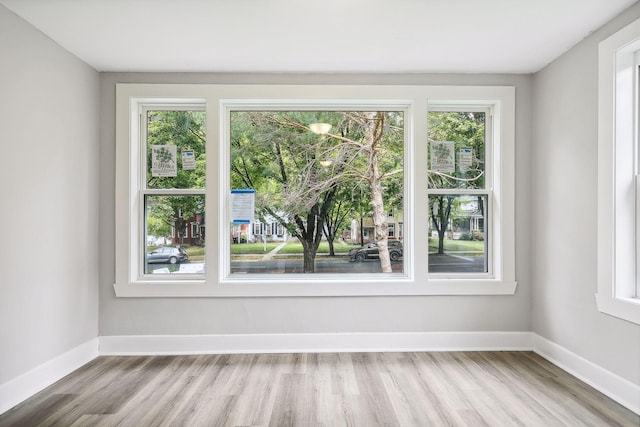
{"type": "Point", "coordinates": [325, 389]}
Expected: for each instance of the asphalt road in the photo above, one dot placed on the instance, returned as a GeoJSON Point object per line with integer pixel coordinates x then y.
{"type": "Point", "coordinates": [437, 264]}
{"type": "Point", "coordinates": [280, 266]}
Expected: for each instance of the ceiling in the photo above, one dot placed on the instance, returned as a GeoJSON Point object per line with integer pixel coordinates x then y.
{"type": "Point", "coordinates": [345, 36]}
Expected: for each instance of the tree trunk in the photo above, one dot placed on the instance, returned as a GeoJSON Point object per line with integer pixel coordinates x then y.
{"type": "Point", "coordinates": [309, 264]}
{"type": "Point", "coordinates": [441, 234]}
{"type": "Point", "coordinates": [332, 252]}
{"type": "Point", "coordinates": [329, 234]}
{"type": "Point", "coordinates": [373, 133]}
{"type": "Point", "coordinates": [441, 220]}
{"type": "Point", "coordinates": [310, 234]}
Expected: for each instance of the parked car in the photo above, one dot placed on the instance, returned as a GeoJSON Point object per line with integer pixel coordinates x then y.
{"type": "Point", "coordinates": [370, 250]}
{"type": "Point", "coordinates": [167, 255]}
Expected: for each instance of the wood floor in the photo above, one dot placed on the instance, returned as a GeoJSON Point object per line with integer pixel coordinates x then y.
{"type": "Point", "coordinates": [335, 389]}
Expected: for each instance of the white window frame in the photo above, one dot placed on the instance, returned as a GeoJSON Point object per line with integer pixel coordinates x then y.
{"type": "Point", "coordinates": [415, 100]}
{"type": "Point", "coordinates": [618, 188]}
{"type": "Point", "coordinates": [487, 191]}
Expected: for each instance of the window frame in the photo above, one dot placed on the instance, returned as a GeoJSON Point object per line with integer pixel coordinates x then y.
{"type": "Point", "coordinates": [617, 293]}
{"type": "Point", "coordinates": [230, 105]}
{"type": "Point", "coordinates": [487, 191]}
{"type": "Point", "coordinates": [139, 202]}
{"type": "Point", "coordinates": [415, 281]}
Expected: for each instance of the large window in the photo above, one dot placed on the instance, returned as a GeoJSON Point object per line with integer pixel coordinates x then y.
{"type": "Point", "coordinates": [618, 184]}
{"type": "Point", "coordinates": [328, 177]}
{"type": "Point", "coordinates": [314, 190]}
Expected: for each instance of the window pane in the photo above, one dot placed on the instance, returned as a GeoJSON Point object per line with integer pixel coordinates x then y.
{"type": "Point", "coordinates": [456, 149]}
{"type": "Point", "coordinates": [174, 234]}
{"type": "Point", "coordinates": [175, 149]}
{"type": "Point", "coordinates": [457, 229]}
{"type": "Point", "coordinates": [316, 179]}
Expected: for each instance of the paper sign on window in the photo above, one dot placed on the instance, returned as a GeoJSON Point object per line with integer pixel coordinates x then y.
{"type": "Point", "coordinates": [443, 157]}
{"type": "Point", "coordinates": [466, 159]}
{"type": "Point", "coordinates": [164, 160]}
{"type": "Point", "coordinates": [242, 206]}
{"type": "Point", "coordinates": [188, 160]}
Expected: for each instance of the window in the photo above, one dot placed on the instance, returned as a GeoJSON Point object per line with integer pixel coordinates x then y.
{"type": "Point", "coordinates": [301, 205]}
{"type": "Point", "coordinates": [459, 181]}
{"type": "Point", "coordinates": [618, 186]}
{"type": "Point", "coordinates": [172, 191]}
{"type": "Point", "coordinates": [195, 230]}
{"type": "Point", "coordinates": [312, 169]}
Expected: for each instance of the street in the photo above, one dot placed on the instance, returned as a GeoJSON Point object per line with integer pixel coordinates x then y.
{"type": "Point", "coordinates": [323, 265]}
{"type": "Point", "coordinates": [437, 264]}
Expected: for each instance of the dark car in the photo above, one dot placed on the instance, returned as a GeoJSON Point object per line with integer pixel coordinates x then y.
{"type": "Point", "coordinates": [370, 250]}
{"type": "Point", "coordinates": [167, 255]}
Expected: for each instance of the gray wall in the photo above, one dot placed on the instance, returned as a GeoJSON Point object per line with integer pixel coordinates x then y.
{"type": "Point", "coordinates": [121, 316]}
{"type": "Point", "coordinates": [49, 199]}
{"type": "Point", "coordinates": [564, 203]}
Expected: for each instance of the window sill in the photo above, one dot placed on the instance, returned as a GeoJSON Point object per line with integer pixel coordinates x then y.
{"type": "Point", "coordinates": [623, 308]}
{"type": "Point", "coordinates": [332, 289]}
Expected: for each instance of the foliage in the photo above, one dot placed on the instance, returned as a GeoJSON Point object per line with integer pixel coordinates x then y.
{"type": "Point", "coordinates": [185, 130]}
{"type": "Point", "coordinates": [466, 130]}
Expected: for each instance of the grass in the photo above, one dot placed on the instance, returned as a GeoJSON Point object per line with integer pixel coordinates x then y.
{"type": "Point", "coordinates": [457, 245]}
{"type": "Point", "coordinates": [296, 248]}
{"type": "Point", "coordinates": [252, 248]}
{"type": "Point", "coordinates": [196, 253]}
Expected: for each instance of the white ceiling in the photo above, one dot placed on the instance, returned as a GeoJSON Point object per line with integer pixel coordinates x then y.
{"type": "Point", "coordinates": [510, 36]}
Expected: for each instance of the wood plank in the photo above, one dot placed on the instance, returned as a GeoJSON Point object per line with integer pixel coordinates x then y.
{"type": "Point", "coordinates": [326, 389]}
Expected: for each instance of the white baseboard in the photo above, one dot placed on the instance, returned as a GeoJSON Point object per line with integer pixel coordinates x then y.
{"type": "Point", "coordinates": [617, 388]}
{"type": "Point", "coordinates": [314, 343]}
{"type": "Point", "coordinates": [26, 385]}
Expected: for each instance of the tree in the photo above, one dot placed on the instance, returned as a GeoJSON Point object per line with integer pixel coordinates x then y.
{"type": "Point", "coordinates": [466, 130]}
{"type": "Point", "coordinates": [335, 219]}
{"type": "Point", "coordinates": [159, 220]}
{"type": "Point", "coordinates": [276, 155]}
{"type": "Point", "coordinates": [374, 130]}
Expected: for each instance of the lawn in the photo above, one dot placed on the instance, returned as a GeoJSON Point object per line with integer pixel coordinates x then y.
{"type": "Point", "coordinates": [252, 248]}
{"type": "Point", "coordinates": [296, 248]}
{"type": "Point", "coordinates": [457, 245]}
{"type": "Point", "coordinates": [196, 253]}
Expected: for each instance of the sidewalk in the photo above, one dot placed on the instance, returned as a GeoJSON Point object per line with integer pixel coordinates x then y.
{"type": "Point", "coordinates": [271, 254]}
